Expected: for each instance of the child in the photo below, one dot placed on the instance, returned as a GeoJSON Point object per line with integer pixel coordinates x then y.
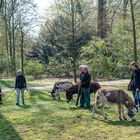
{"type": "Point", "coordinates": [20, 86]}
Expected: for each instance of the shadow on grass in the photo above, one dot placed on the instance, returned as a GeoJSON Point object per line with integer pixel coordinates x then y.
{"type": "Point", "coordinates": [7, 132]}
{"type": "Point", "coordinates": [25, 106]}
{"type": "Point", "coordinates": [123, 123]}
{"type": "Point", "coordinates": [120, 123]}
{"type": "Point", "coordinates": [7, 84]}
{"type": "Point", "coordinates": [36, 97]}
{"type": "Point", "coordinates": [43, 96]}
{"type": "Point", "coordinates": [39, 95]}
{"type": "Point", "coordinates": [80, 108]}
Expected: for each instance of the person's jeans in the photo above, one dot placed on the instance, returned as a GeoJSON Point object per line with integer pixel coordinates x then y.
{"type": "Point", "coordinates": [136, 96]}
{"type": "Point", "coordinates": [85, 97]}
{"type": "Point", "coordinates": [18, 95]}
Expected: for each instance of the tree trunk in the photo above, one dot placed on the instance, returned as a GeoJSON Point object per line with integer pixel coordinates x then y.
{"type": "Point", "coordinates": [73, 41]}
{"type": "Point", "coordinates": [13, 39]}
{"type": "Point", "coordinates": [134, 31]}
{"type": "Point", "coordinates": [6, 38]}
{"type": "Point", "coordinates": [10, 48]}
{"type": "Point", "coordinates": [74, 70]}
{"type": "Point", "coordinates": [22, 51]}
{"type": "Point", "coordinates": [101, 19]}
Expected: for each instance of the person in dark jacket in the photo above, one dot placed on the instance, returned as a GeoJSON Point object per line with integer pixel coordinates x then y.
{"type": "Point", "coordinates": [85, 79]}
{"type": "Point", "coordinates": [134, 84]}
{"type": "Point", "coordinates": [20, 86]}
{"type": "Point", "coordinates": [81, 72]}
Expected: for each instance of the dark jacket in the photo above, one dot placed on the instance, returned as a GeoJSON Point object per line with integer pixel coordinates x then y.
{"type": "Point", "coordinates": [81, 76]}
{"type": "Point", "coordinates": [135, 80]}
{"type": "Point", "coordinates": [85, 80]}
{"type": "Point", "coordinates": [20, 82]}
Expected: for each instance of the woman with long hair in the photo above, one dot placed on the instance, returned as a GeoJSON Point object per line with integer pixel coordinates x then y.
{"type": "Point", "coordinates": [134, 84]}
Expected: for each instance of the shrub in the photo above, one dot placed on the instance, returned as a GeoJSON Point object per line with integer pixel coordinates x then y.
{"type": "Point", "coordinates": [34, 68]}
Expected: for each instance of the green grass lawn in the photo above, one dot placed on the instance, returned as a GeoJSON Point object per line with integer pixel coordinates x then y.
{"type": "Point", "coordinates": [45, 119]}
{"type": "Point", "coordinates": [10, 83]}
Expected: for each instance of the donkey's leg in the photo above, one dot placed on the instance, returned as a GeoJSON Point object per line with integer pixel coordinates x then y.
{"type": "Point", "coordinates": [124, 117]}
{"type": "Point", "coordinates": [120, 111]}
{"type": "Point", "coordinates": [103, 113]}
{"type": "Point", "coordinates": [57, 95]}
{"type": "Point", "coordinates": [94, 109]}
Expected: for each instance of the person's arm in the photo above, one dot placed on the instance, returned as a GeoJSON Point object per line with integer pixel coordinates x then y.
{"type": "Point", "coordinates": [25, 84]}
{"type": "Point", "coordinates": [16, 83]}
{"type": "Point", "coordinates": [138, 81]}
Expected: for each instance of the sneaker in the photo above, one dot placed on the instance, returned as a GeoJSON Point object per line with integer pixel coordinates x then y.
{"type": "Point", "coordinates": [17, 103]}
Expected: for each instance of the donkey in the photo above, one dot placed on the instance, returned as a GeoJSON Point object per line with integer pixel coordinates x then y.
{"type": "Point", "coordinates": [60, 86]}
{"type": "Point", "coordinates": [118, 96]}
{"type": "Point", "coordinates": [94, 86]}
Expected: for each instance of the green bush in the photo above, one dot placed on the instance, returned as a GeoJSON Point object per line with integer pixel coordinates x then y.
{"type": "Point", "coordinates": [34, 68]}
{"type": "Point", "coordinates": [57, 68]}
{"type": "Point", "coordinates": [107, 60]}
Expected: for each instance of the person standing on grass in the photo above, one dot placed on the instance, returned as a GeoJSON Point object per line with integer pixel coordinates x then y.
{"type": "Point", "coordinates": [134, 84]}
{"type": "Point", "coordinates": [85, 79]}
{"type": "Point", "coordinates": [20, 86]}
{"type": "Point", "coordinates": [81, 67]}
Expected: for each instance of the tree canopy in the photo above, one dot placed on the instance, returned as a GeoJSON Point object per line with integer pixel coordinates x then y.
{"type": "Point", "coordinates": [103, 34]}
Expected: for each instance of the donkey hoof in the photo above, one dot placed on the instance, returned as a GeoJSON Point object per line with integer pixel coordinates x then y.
{"type": "Point", "coordinates": [134, 120]}
{"type": "Point", "coordinates": [121, 119]}
{"type": "Point", "coordinates": [125, 119]}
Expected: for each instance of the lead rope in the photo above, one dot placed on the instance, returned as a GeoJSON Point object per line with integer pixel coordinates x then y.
{"type": "Point", "coordinates": [9, 95]}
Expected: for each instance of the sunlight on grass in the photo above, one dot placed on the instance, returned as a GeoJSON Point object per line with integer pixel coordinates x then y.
{"type": "Point", "coordinates": [43, 118]}
{"type": "Point", "coordinates": [10, 83]}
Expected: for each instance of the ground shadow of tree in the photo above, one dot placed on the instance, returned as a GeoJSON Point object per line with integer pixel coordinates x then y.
{"type": "Point", "coordinates": [36, 96]}
{"type": "Point", "coordinates": [25, 106]}
{"type": "Point", "coordinates": [123, 123]}
{"type": "Point", "coordinates": [120, 123]}
{"type": "Point", "coordinates": [7, 132]}
{"type": "Point", "coordinates": [43, 96]}
{"type": "Point", "coordinates": [7, 84]}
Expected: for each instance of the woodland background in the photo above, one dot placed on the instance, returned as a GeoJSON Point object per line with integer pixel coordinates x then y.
{"type": "Point", "coordinates": [104, 34]}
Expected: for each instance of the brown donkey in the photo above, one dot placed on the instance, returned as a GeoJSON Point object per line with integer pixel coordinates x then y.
{"type": "Point", "coordinates": [118, 96]}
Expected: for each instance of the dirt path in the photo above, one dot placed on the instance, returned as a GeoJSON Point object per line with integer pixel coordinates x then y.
{"type": "Point", "coordinates": [116, 83]}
